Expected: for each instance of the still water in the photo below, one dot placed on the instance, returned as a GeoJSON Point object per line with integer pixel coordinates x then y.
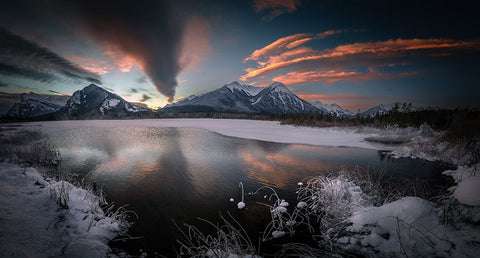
{"type": "Point", "coordinates": [179, 174]}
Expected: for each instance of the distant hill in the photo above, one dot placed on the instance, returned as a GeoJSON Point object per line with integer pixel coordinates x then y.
{"type": "Point", "coordinates": [34, 105]}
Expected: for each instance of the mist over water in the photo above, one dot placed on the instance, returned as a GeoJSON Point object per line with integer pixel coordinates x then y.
{"type": "Point", "coordinates": [179, 174]}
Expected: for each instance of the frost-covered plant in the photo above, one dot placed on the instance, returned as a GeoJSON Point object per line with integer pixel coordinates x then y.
{"type": "Point", "coordinates": [61, 193]}
{"type": "Point", "coordinates": [282, 221]}
{"type": "Point", "coordinates": [331, 201]}
{"type": "Point", "coordinates": [119, 215]}
{"type": "Point", "coordinates": [229, 240]}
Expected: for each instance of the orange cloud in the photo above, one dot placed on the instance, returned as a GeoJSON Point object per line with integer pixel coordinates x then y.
{"type": "Point", "coordinates": [333, 76]}
{"type": "Point", "coordinates": [195, 43]}
{"type": "Point", "coordinates": [328, 77]}
{"type": "Point", "coordinates": [286, 43]}
{"type": "Point", "coordinates": [91, 64]}
{"type": "Point", "coordinates": [121, 60]}
{"type": "Point", "coordinates": [312, 97]}
{"type": "Point", "coordinates": [278, 7]}
{"type": "Point", "coordinates": [395, 48]}
{"type": "Point", "coordinates": [299, 42]}
{"type": "Point", "coordinates": [277, 46]}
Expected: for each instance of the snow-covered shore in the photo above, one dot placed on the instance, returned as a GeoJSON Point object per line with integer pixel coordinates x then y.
{"type": "Point", "coordinates": [33, 224]}
{"type": "Point", "coordinates": [271, 131]}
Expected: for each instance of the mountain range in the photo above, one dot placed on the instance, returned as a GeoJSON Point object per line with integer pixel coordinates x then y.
{"type": "Point", "coordinates": [238, 98]}
{"type": "Point", "coordinates": [96, 102]}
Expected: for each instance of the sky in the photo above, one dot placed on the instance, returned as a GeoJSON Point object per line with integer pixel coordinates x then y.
{"type": "Point", "coordinates": [354, 53]}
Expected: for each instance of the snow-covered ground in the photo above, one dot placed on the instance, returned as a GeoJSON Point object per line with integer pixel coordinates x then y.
{"type": "Point", "coordinates": [33, 224]}
{"type": "Point", "coordinates": [271, 131]}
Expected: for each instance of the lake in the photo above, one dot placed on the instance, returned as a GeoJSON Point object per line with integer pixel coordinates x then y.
{"type": "Point", "coordinates": [179, 174]}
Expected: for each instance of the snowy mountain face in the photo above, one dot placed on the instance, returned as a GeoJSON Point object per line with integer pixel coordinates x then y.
{"type": "Point", "coordinates": [333, 109]}
{"type": "Point", "coordinates": [237, 98]}
{"type": "Point", "coordinates": [93, 101]}
{"type": "Point", "coordinates": [33, 105]}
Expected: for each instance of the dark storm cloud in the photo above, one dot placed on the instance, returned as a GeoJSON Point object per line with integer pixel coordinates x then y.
{"type": "Point", "coordinates": [145, 97]}
{"type": "Point", "coordinates": [143, 30]}
{"type": "Point", "coordinates": [22, 58]}
{"type": "Point", "coordinates": [26, 72]}
{"type": "Point", "coordinates": [133, 90]}
{"type": "Point", "coordinates": [2, 84]}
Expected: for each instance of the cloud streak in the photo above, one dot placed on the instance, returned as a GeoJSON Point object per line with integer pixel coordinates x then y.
{"type": "Point", "coordinates": [288, 42]}
{"type": "Point", "coordinates": [277, 57]}
{"type": "Point", "coordinates": [332, 76]}
{"type": "Point", "coordinates": [22, 58]}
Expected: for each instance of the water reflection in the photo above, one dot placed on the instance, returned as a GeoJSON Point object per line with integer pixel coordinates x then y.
{"type": "Point", "coordinates": [182, 174]}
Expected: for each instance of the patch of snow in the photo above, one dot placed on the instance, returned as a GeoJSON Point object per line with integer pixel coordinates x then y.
{"type": "Point", "coordinates": [256, 101]}
{"type": "Point", "coordinates": [34, 225]}
{"type": "Point", "coordinates": [240, 205]}
{"type": "Point", "coordinates": [110, 103]}
{"type": "Point", "coordinates": [468, 191]}
{"type": "Point", "coordinates": [290, 223]}
{"type": "Point", "coordinates": [280, 96]}
{"type": "Point", "coordinates": [278, 234]}
{"type": "Point", "coordinates": [410, 227]}
{"type": "Point", "coordinates": [283, 203]}
{"type": "Point", "coordinates": [301, 205]}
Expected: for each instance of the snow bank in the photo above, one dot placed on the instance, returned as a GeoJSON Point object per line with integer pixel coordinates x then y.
{"type": "Point", "coordinates": [249, 129]}
{"type": "Point", "coordinates": [468, 191]}
{"type": "Point", "coordinates": [33, 224]}
{"type": "Point", "coordinates": [404, 227]}
{"type": "Point", "coordinates": [410, 227]}
{"type": "Point", "coordinates": [407, 227]}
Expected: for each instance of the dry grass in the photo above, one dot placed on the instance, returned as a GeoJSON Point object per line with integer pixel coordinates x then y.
{"type": "Point", "coordinates": [229, 240]}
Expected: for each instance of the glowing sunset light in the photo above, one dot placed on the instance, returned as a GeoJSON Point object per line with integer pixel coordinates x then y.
{"type": "Point", "coordinates": [158, 52]}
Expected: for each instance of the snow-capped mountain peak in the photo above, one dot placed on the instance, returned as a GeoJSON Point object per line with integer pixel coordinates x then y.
{"type": "Point", "coordinates": [279, 87]}
{"type": "Point", "coordinates": [96, 101]}
{"type": "Point", "coordinates": [249, 90]}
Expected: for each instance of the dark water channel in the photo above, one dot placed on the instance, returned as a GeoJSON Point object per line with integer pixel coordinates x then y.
{"type": "Point", "coordinates": [179, 174]}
